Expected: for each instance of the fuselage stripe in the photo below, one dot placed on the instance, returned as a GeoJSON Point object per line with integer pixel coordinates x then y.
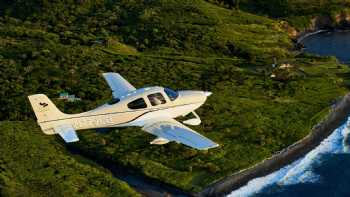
{"type": "Point", "coordinates": [146, 111]}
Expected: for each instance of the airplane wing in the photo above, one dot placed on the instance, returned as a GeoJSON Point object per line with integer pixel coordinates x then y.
{"type": "Point", "coordinates": [67, 132]}
{"type": "Point", "coordinates": [118, 84]}
{"type": "Point", "coordinates": [172, 130]}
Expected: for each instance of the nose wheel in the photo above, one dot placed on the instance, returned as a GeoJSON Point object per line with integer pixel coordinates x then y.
{"type": "Point", "coordinates": [193, 121]}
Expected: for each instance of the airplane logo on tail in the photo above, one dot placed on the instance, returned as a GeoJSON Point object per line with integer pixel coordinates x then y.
{"type": "Point", "coordinates": [43, 104]}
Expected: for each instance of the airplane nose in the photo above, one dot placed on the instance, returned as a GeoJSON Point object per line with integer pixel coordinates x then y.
{"type": "Point", "coordinates": [208, 93]}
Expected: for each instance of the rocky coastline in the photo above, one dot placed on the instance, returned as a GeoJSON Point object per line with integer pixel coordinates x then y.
{"type": "Point", "coordinates": [335, 118]}
{"type": "Point", "coordinates": [320, 24]}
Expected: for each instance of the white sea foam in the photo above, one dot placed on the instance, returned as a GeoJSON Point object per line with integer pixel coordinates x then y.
{"type": "Point", "coordinates": [255, 185]}
{"type": "Point", "coordinates": [346, 146]}
{"type": "Point", "coordinates": [300, 171]}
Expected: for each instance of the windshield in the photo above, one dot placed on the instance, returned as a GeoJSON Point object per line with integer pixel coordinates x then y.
{"type": "Point", "coordinates": [171, 93]}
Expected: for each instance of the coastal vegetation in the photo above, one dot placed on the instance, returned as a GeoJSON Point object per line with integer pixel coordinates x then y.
{"type": "Point", "coordinates": [255, 110]}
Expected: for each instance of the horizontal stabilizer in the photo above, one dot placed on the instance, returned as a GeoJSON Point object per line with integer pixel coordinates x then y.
{"type": "Point", "coordinates": [67, 132]}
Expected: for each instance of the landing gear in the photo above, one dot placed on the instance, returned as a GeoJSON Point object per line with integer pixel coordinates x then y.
{"type": "Point", "coordinates": [193, 121]}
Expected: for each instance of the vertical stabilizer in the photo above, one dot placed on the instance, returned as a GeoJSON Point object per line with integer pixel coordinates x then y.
{"type": "Point", "coordinates": [44, 109]}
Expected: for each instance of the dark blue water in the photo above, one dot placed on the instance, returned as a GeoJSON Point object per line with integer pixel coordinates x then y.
{"type": "Point", "coordinates": [325, 171]}
{"type": "Point", "coordinates": [334, 173]}
{"type": "Point", "coordinates": [329, 44]}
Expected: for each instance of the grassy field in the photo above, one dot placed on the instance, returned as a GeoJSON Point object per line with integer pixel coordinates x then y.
{"type": "Point", "coordinates": [51, 47]}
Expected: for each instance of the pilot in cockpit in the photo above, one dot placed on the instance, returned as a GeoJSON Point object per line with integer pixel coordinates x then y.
{"type": "Point", "coordinates": [155, 101]}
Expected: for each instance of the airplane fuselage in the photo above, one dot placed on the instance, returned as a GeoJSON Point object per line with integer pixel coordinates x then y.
{"type": "Point", "coordinates": [133, 109]}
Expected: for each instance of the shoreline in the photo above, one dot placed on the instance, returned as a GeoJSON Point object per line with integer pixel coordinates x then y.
{"type": "Point", "coordinates": [305, 34]}
{"type": "Point", "coordinates": [337, 116]}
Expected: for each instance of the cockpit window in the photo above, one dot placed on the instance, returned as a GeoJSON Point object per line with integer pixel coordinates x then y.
{"type": "Point", "coordinates": [137, 104]}
{"type": "Point", "coordinates": [156, 99]}
{"type": "Point", "coordinates": [113, 101]}
{"type": "Point", "coordinates": [171, 93]}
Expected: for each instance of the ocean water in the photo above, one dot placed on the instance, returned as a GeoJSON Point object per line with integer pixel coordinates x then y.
{"type": "Point", "coordinates": [325, 171]}
{"type": "Point", "coordinates": [330, 43]}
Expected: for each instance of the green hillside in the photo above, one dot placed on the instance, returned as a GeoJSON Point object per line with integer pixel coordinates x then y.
{"type": "Point", "coordinates": [63, 46]}
{"type": "Point", "coordinates": [35, 165]}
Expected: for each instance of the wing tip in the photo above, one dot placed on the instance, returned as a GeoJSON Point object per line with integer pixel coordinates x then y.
{"type": "Point", "coordinates": [214, 145]}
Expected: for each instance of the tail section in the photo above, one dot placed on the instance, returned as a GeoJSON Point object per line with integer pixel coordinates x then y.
{"type": "Point", "coordinates": [44, 109]}
{"type": "Point", "coordinates": [51, 119]}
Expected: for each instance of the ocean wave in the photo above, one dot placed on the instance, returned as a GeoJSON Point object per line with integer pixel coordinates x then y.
{"type": "Point", "coordinates": [301, 170]}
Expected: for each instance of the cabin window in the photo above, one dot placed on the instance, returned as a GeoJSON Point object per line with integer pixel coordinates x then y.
{"type": "Point", "coordinates": [156, 99]}
{"type": "Point", "coordinates": [137, 104]}
{"type": "Point", "coordinates": [171, 93]}
{"type": "Point", "coordinates": [113, 101]}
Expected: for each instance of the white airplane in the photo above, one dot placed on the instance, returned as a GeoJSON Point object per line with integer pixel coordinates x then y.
{"type": "Point", "coordinates": [152, 108]}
